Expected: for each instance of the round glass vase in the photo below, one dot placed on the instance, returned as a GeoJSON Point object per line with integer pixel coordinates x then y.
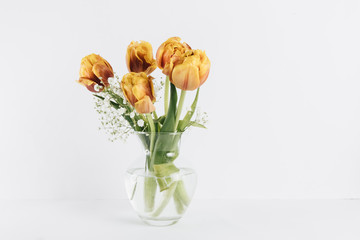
{"type": "Point", "coordinates": [159, 188]}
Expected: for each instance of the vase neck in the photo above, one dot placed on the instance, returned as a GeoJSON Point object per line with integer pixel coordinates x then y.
{"type": "Point", "coordinates": [160, 148]}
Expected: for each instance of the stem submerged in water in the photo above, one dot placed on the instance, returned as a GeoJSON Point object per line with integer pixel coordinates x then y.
{"type": "Point", "coordinates": [167, 196]}
{"type": "Point", "coordinates": [150, 187]}
{"type": "Point", "coordinates": [150, 184]}
{"type": "Point", "coordinates": [181, 194]}
{"type": "Point", "coordinates": [152, 140]}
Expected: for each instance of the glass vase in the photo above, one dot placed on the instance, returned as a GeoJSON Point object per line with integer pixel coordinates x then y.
{"type": "Point", "coordinates": [159, 188]}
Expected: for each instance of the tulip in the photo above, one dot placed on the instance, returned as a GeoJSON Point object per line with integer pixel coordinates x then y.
{"type": "Point", "coordinates": [169, 52]}
{"type": "Point", "coordinates": [138, 89]}
{"type": "Point", "coordinates": [139, 57]}
{"type": "Point", "coordinates": [191, 71]}
{"type": "Point", "coordinates": [94, 73]}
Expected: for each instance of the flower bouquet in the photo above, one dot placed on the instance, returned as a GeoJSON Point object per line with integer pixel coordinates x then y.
{"type": "Point", "coordinates": [126, 106]}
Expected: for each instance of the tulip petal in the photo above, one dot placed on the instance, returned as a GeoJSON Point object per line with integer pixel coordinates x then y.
{"type": "Point", "coordinates": [167, 50]}
{"type": "Point", "coordinates": [204, 67]}
{"type": "Point", "coordinates": [152, 96]}
{"type": "Point", "coordinates": [151, 68]}
{"type": "Point", "coordinates": [91, 71]}
{"type": "Point", "coordinates": [159, 54]}
{"type": "Point", "coordinates": [103, 72]}
{"type": "Point", "coordinates": [139, 57]}
{"type": "Point", "coordinates": [108, 65]}
{"type": "Point", "coordinates": [204, 73]}
{"type": "Point", "coordinates": [185, 77]}
{"type": "Point", "coordinates": [89, 84]}
{"type": "Point", "coordinates": [137, 86]}
{"type": "Point", "coordinates": [86, 70]}
{"type": "Point", "coordinates": [140, 91]}
{"type": "Point", "coordinates": [127, 90]}
{"type": "Point", "coordinates": [144, 105]}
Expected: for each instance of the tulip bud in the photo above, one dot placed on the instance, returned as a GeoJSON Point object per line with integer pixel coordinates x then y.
{"type": "Point", "coordinates": [138, 90]}
{"type": "Point", "coordinates": [169, 52]}
{"type": "Point", "coordinates": [139, 57]}
{"type": "Point", "coordinates": [191, 71]}
{"type": "Point", "coordinates": [94, 73]}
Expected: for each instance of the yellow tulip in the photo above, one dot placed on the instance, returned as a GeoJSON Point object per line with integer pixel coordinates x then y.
{"type": "Point", "coordinates": [169, 52]}
{"type": "Point", "coordinates": [191, 70]}
{"type": "Point", "coordinates": [95, 71]}
{"type": "Point", "coordinates": [139, 57]}
{"type": "Point", "coordinates": [138, 89]}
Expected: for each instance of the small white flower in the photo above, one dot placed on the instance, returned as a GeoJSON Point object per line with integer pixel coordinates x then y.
{"type": "Point", "coordinates": [107, 100]}
{"type": "Point", "coordinates": [111, 80]}
{"type": "Point", "coordinates": [140, 123]}
{"type": "Point", "coordinates": [122, 110]}
{"type": "Point", "coordinates": [97, 87]}
{"type": "Point", "coordinates": [201, 117]}
{"type": "Point", "coordinates": [132, 114]}
{"type": "Point", "coordinates": [124, 101]}
{"type": "Point", "coordinates": [112, 121]}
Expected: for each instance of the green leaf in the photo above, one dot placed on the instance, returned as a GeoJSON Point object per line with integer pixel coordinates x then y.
{"type": "Point", "coordinates": [185, 122]}
{"type": "Point", "coordinates": [165, 169]}
{"type": "Point", "coordinates": [159, 122]}
{"type": "Point", "coordinates": [114, 105]}
{"type": "Point", "coordinates": [160, 119]}
{"type": "Point", "coordinates": [192, 123]}
{"type": "Point", "coordinates": [166, 143]}
{"type": "Point", "coordinates": [171, 115]}
{"type": "Point", "coordinates": [119, 100]}
{"type": "Point", "coordinates": [102, 98]}
{"type": "Point", "coordinates": [195, 124]}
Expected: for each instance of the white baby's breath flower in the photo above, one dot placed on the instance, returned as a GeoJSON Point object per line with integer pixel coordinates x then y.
{"type": "Point", "coordinates": [158, 87]}
{"type": "Point", "coordinates": [111, 119]}
{"type": "Point", "coordinates": [132, 114]}
{"type": "Point", "coordinates": [140, 123]}
{"type": "Point", "coordinates": [122, 110]}
{"type": "Point", "coordinates": [97, 87]}
{"type": "Point", "coordinates": [111, 80]}
{"type": "Point", "coordinates": [201, 117]}
{"type": "Point", "coordinates": [107, 100]}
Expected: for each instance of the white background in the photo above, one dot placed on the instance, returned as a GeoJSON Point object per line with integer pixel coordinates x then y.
{"type": "Point", "coordinates": [282, 96]}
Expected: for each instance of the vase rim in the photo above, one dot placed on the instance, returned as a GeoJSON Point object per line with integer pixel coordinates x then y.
{"type": "Point", "coordinates": [159, 133]}
{"type": "Point", "coordinates": [141, 172]}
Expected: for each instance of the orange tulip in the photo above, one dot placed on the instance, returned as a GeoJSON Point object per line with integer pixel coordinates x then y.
{"type": "Point", "coordinates": [191, 70]}
{"type": "Point", "coordinates": [138, 89]}
{"type": "Point", "coordinates": [139, 57]}
{"type": "Point", "coordinates": [94, 73]}
{"type": "Point", "coordinates": [169, 52]}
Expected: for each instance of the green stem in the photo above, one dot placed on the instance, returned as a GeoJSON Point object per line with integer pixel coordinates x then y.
{"type": "Point", "coordinates": [166, 95]}
{"type": "Point", "coordinates": [150, 184]}
{"type": "Point", "coordinates": [150, 187]}
{"type": "Point", "coordinates": [152, 137]}
{"type": "Point", "coordinates": [180, 208]}
{"type": "Point", "coordinates": [167, 196]}
{"type": "Point", "coordinates": [181, 193]}
{"type": "Point", "coordinates": [180, 106]}
{"type": "Point", "coordinates": [134, 122]}
{"type": "Point", "coordinates": [155, 115]}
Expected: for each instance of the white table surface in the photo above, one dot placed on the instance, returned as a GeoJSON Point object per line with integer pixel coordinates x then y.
{"type": "Point", "coordinates": [205, 219]}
